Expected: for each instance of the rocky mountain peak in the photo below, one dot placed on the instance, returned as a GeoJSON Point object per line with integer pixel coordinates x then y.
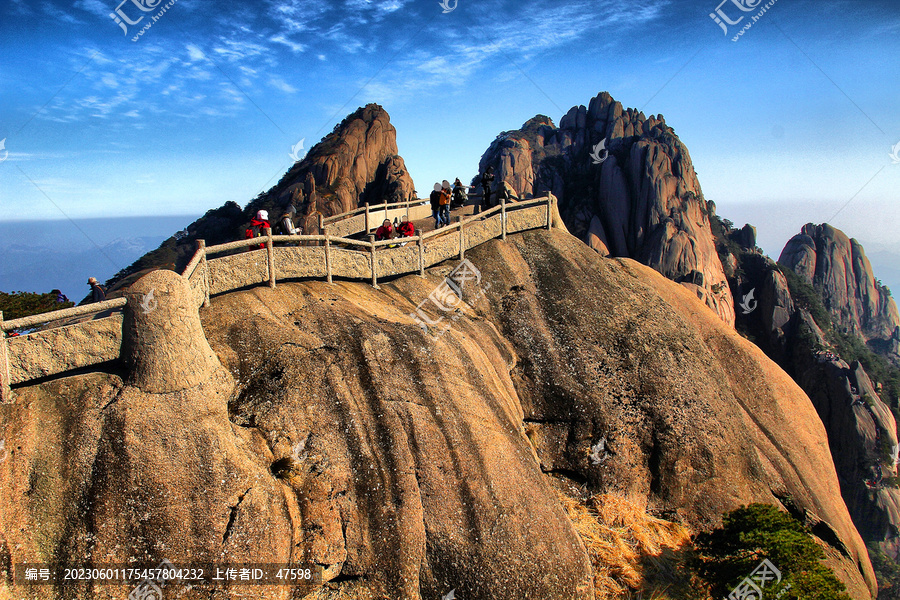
{"type": "Point", "coordinates": [837, 267]}
{"type": "Point", "coordinates": [357, 162]}
{"type": "Point", "coordinates": [626, 186]}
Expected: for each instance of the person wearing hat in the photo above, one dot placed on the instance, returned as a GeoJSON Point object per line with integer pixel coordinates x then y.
{"type": "Point", "coordinates": [98, 294]}
{"type": "Point", "coordinates": [258, 225]}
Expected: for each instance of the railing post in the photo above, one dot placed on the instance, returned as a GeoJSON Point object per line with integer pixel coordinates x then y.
{"type": "Point", "coordinates": [270, 257]}
{"type": "Point", "coordinates": [462, 239]}
{"type": "Point", "coordinates": [5, 390]}
{"type": "Point", "coordinates": [502, 218]}
{"type": "Point", "coordinates": [407, 209]}
{"type": "Point", "coordinates": [421, 244]}
{"type": "Point", "coordinates": [321, 224]}
{"type": "Point", "coordinates": [201, 247]}
{"type": "Point", "coordinates": [372, 258]}
{"type": "Point", "coordinates": [328, 257]}
{"type": "Point", "coordinates": [367, 217]}
{"type": "Point", "coordinates": [549, 213]}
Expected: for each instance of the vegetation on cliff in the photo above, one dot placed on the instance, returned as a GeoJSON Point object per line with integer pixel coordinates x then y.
{"type": "Point", "coordinates": [729, 554]}
{"type": "Point", "coordinates": [23, 304]}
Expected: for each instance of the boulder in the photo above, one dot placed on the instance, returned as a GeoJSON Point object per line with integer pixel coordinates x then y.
{"type": "Point", "coordinates": [163, 342]}
{"type": "Point", "coordinates": [745, 237]}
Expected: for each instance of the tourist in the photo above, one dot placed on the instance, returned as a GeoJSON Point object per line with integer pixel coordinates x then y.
{"type": "Point", "coordinates": [98, 294]}
{"type": "Point", "coordinates": [406, 228]}
{"type": "Point", "coordinates": [459, 194]}
{"type": "Point", "coordinates": [487, 180]}
{"type": "Point", "coordinates": [436, 205]}
{"type": "Point", "coordinates": [286, 223]}
{"type": "Point", "coordinates": [258, 225]}
{"type": "Point", "coordinates": [444, 203]}
{"type": "Point", "coordinates": [385, 232]}
{"type": "Point", "coordinates": [60, 297]}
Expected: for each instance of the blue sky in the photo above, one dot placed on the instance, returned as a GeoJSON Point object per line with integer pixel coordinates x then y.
{"type": "Point", "coordinates": [785, 126]}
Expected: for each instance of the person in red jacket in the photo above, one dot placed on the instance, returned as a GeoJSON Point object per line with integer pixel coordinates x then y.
{"type": "Point", "coordinates": [385, 232]}
{"type": "Point", "coordinates": [406, 229]}
{"type": "Point", "coordinates": [258, 226]}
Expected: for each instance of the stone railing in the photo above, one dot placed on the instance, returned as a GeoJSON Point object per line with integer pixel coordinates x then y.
{"type": "Point", "coordinates": [96, 341]}
{"type": "Point", "coordinates": [368, 218]}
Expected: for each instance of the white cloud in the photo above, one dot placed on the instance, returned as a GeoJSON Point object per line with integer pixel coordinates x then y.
{"type": "Point", "coordinates": [60, 15]}
{"type": "Point", "coordinates": [294, 46]}
{"type": "Point", "coordinates": [96, 7]}
{"type": "Point", "coordinates": [236, 50]}
{"type": "Point", "coordinates": [280, 84]}
{"type": "Point", "coordinates": [195, 53]}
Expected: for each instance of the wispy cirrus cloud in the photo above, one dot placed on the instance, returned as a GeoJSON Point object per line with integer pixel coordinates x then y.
{"type": "Point", "coordinates": [97, 8]}
{"type": "Point", "coordinates": [283, 40]}
{"type": "Point", "coordinates": [280, 84]}
{"type": "Point", "coordinates": [498, 45]}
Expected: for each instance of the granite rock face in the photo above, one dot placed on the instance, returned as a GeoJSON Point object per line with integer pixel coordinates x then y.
{"type": "Point", "coordinates": [163, 339]}
{"type": "Point", "coordinates": [837, 267]}
{"type": "Point", "coordinates": [408, 462]}
{"type": "Point", "coordinates": [842, 293]}
{"type": "Point", "coordinates": [354, 164]}
{"type": "Point", "coordinates": [626, 186]}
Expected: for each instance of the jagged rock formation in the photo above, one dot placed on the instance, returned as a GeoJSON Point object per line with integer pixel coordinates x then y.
{"type": "Point", "coordinates": [837, 267]}
{"type": "Point", "coordinates": [642, 201]}
{"type": "Point", "coordinates": [834, 292]}
{"type": "Point", "coordinates": [354, 164]}
{"type": "Point", "coordinates": [408, 464]}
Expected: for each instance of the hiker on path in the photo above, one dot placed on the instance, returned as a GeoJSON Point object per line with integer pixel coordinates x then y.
{"type": "Point", "coordinates": [258, 226]}
{"type": "Point", "coordinates": [487, 180]}
{"type": "Point", "coordinates": [286, 223]}
{"type": "Point", "coordinates": [459, 194]}
{"type": "Point", "coordinates": [445, 203]}
{"type": "Point", "coordinates": [435, 199]}
{"type": "Point", "coordinates": [98, 294]}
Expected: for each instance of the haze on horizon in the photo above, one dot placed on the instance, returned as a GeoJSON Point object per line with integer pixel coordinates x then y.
{"type": "Point", "coordinates": [793, 123]}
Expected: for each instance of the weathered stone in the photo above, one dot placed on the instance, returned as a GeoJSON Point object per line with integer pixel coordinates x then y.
{"type": "Point", "coordinates": [411, 471]}
{"type": "Point", "coordinates": [61, 349]}
{"type": "Point", "coordinates": [839, 270]}
{"type": "Point", "coordinates": [745, 237]}
{"type": "Point", "coordinates": [644, 201]}
{"type": "Point", "coordinates": [163, 341]}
